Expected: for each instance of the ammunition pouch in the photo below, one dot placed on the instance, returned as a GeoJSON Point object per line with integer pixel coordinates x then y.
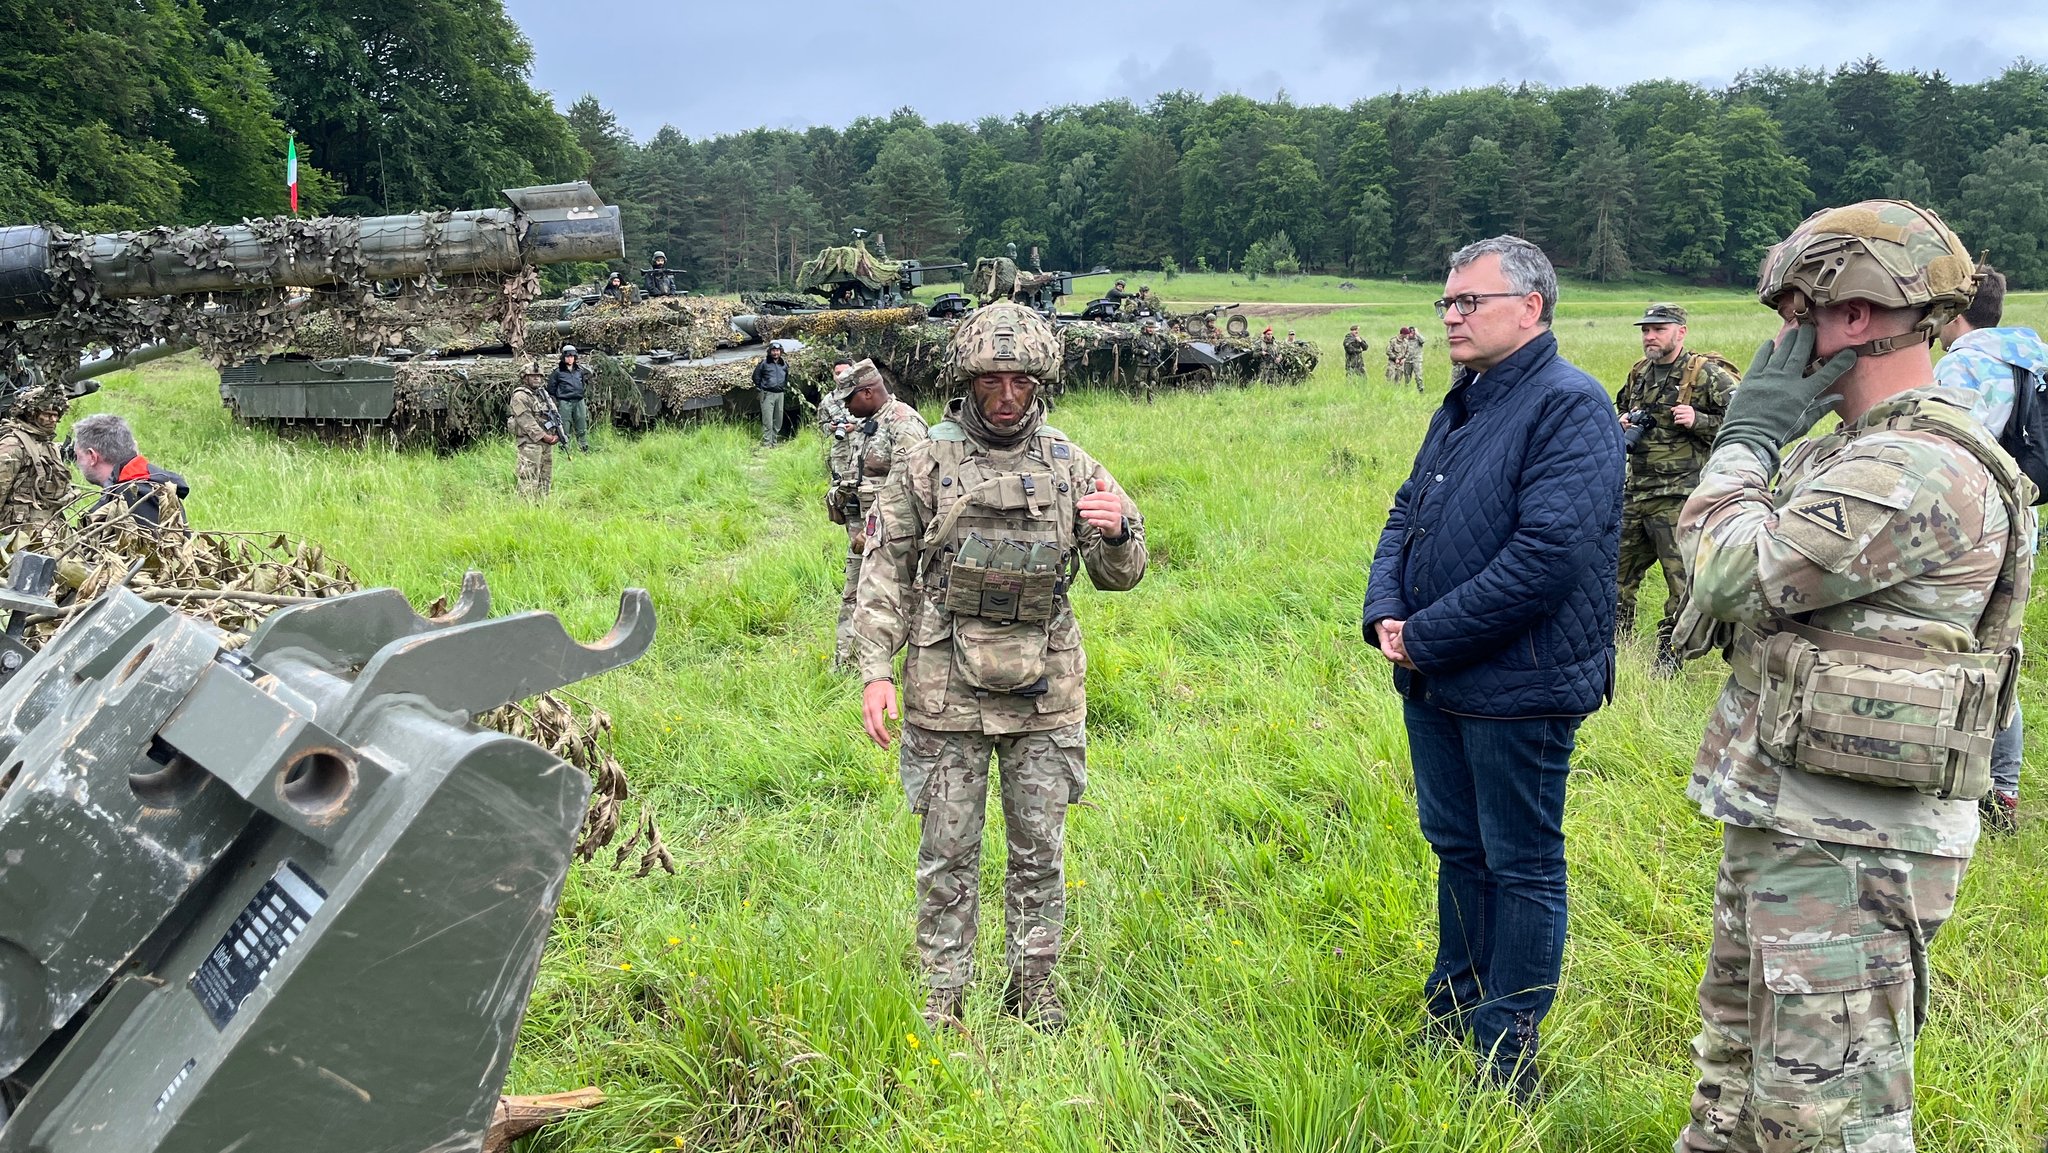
{"type": "Point", "coordinates": [1006, 580]}
{"type": "Point", "coordinates": [1875, 712]}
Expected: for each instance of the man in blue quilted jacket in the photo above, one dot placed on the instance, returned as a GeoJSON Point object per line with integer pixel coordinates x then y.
{"type": "Point", "coordinates": [1492, 594]}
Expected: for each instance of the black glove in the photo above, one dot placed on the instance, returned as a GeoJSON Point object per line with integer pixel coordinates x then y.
{"type": "Point", "coordinates": [1778, 401]}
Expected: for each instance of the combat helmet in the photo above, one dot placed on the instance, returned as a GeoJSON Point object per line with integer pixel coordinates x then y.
{"type": "Point", "coordinates": [1005, 337]}
{"type": "Point", "coordinates": [1892, 253]}
{"type": "Point", "coordinates": [42, 398]}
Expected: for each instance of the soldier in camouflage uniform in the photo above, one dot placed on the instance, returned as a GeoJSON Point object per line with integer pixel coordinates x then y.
{"type": "Point", "coordinates": [1679, 395]}
{"type": "Point", "coordinates": [534, 427]}
{"type": "Point", "coordinates": [1870, 605]}
{"type": "Point", "coordinates": [971, 550]}
{"type": "Point", "coordinates": [885, 428]}
{"type": "Point", "coordinates": [34, 482]}
{"type": "Point", "coordinates": [1354, 353]}
{"type": "Point", "coordinates": [1150, 352]}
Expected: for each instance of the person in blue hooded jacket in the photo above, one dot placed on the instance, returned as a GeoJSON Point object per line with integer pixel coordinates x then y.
{"type": "Point", "coordinates": [1981, 359]}
{"type": "Point", "coordinates": [1493, 594]}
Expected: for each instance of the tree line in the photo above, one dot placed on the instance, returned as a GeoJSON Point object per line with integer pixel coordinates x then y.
{"type": "Point", "coordinates": [128, 113]}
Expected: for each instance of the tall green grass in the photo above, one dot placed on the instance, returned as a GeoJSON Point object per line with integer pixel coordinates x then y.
{"type": "Point", "coordinates": [1252, 905]}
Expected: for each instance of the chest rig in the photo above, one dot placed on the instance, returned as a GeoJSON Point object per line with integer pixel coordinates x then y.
{"type": "Point", "coordinates": [43, 480]}
{"type": "Point", "coordinates": [1890, 714]}
{"type": "Point", "coordinates": [1001, 547]}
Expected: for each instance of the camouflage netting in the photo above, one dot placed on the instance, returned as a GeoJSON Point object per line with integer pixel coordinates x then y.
{"type": "Point", "coordinates": [233, 580]}
{"type": "Point", "coordinates": [849, 262]}
{"type": "Point", "coordinates": [227, 326]}
{"type": "Point", "coordinates": [462, 398]}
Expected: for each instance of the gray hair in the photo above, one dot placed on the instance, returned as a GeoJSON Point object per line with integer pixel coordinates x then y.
{"type": "Point", "coordinates": [1524, 265]}
{"type": "Point", "coordinates": [107, 435]}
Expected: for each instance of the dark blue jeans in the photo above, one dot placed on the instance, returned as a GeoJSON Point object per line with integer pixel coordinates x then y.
{"type": "Point", "coordinates": [1490, 795]}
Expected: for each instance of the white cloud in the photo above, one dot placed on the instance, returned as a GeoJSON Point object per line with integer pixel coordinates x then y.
{"type": "Point", "coordinates": [805, 62]}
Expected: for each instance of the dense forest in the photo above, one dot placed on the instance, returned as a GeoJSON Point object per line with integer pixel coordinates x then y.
{"type": "Point", "coordinates": [118, 113]}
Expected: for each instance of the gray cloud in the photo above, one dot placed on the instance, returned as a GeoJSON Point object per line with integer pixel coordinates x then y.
{"type": "Point", "coordinates": [803, 62]}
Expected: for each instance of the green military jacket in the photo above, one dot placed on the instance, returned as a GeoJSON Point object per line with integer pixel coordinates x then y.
{"type": "Point", "coordinates": [1880, 532]}
{"type": "Point", "coordinates": [951, 656]}
{"type": "Point", "coordinates": [34, 482]}
{"type": "Point", "coordinates": [528, 413]}
{"type": "Point", "coordinates": [1667, 461]}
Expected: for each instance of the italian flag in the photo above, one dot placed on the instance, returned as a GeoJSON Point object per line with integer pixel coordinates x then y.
{"type": "Point", "coordinates": [291, 170]}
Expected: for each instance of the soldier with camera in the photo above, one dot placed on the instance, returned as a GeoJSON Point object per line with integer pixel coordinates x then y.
{"type": "Point", "coordinates": [1671, 408]}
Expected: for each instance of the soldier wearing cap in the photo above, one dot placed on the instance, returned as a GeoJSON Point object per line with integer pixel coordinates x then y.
{"type": "Point", "coordinates": [1354, 353]}
{"type": "Point", "coordinates": [567, 385]}
{"type": "Point", "coordinates": [1671, 407]}
{"type": "Point", "coordinates": [534, 424]}
{"type": "Point", "coordinates": [34, 483]}
{"type": "Point", "coordinates": [972, 548]}
{"type": "Point", "coordinates": [1869, 601]}
{"type": "Point", "coordinates": [883, 428]}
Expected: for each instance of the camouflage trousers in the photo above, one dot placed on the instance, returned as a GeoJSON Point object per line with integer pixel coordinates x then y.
{"type": "Point", "coordinates": [945, 778]}
{"type": "Point", "coordinates": [1649, 533]}
{"type": "Point", "coordinates": [535, 471]}
{"type": "Point", "coordinates": [849, 597]}
{"type": "Point", "coordinates": [1815, 989]}
{"type": "Point", "coordinates": [1354, 364]}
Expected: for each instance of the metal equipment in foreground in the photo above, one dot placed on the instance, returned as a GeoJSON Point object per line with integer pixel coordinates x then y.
{"type": "Point", "coordinates": [285, 896]}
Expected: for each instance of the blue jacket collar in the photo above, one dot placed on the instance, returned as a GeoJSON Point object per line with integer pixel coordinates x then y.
{"type": "Point", "coordinates": [1471, 392]}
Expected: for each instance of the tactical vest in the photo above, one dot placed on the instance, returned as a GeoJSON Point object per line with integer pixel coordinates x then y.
{"type": "Point", "coordinates": [1000, 552]}
{"type": "Point", "coordinates": [43, 484]}
{"type": "Point", "coordinates": [1891, 714]}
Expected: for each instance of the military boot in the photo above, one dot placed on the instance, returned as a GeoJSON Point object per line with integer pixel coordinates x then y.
{"type": "Point", "coordinates": [1031, 998]}
{"type": "Point", "coordinates": [942, 1007]}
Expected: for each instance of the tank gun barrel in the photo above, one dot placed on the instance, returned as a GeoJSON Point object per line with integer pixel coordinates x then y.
{"type": "Point", "coordinates": [548, 224]}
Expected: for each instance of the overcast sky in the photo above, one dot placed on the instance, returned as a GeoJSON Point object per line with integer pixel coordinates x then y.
{"type": "Point", "coordinates": [710, 70]}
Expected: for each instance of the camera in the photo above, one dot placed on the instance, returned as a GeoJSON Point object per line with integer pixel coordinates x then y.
{"type": "Point", "coordinates": [1638, 426]}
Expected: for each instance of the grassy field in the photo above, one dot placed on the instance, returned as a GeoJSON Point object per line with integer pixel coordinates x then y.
{"type": "Point", "coordinates": [1252, 905]}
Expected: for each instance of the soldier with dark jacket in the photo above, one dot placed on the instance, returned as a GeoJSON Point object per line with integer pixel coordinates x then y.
{"type": "Point", "coordinates": [1671, 407]}
{"type": "Point", "coordinates": [659, 280]}
{"type": "Point", "coordinates": [771, 382]}
{"type": "Point", "coordinates": [104, 447]}
{"type": "Point", "coordinates": [972, 548]}
{"type": "Point", "coordinates": [567, 384]}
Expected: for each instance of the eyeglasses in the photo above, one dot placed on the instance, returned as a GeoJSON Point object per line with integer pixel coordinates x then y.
{"type": "Point", "coordinates": [1467, 303]}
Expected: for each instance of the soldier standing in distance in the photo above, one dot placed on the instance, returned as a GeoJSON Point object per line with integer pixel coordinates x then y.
{"type": "Point", "coordinates": [972, 547]}
{"type": "Point", "coordinates": [1680, 395]}
{"type": "Point", "coordinates": [34, 482]}
{"type": "Point", "coordinates": [534, 427]}
{"type": "Point", "coordinates": [1411, 358]}
{"type": "Point", "coordinates": [1152, 349]}
{"type": "Point", "coordinates": [884, 428]}
{"type": "Point", "coordinates": [1872, 601]}
{"type": "Point", "coordinates": [1354, 353]}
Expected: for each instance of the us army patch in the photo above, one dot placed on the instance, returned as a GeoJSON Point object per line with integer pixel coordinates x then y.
{"type": "Point", "coordinates": [1062, 450]}
{"type": "Point", "coordinates": [1830, 514]}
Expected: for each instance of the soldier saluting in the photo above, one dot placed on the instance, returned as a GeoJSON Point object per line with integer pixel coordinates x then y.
{"type": "Point", "coordinates": [1873, 597]}
{"type": "Point", "coordinates": [1672, 405]}
{"type": "Point", "coordinates": [973, 545]}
